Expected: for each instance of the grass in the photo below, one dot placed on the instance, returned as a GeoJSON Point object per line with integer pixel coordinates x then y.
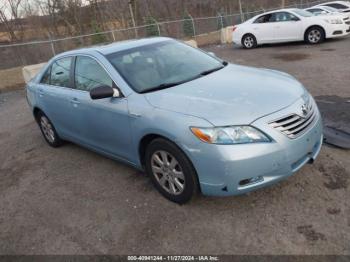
{"type": "Point", "coordinates": [11, 79]}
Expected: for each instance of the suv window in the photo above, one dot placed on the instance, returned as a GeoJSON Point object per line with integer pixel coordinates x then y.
{"type": "Point", "coordinates": [90, 74]}
{"type": "Point", "coordinates": [337, 6]}
{"type": "Point", "coordinates": [60, 72]}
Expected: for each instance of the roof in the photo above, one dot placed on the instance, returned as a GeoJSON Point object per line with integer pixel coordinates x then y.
{"type": "Point", "coordinates": [336, 2]}
{"type": "Point", "coordinates": [117, 46]}
{"type": "Point", "coordinates": [273, 11]}
{"type": "Point", "coordinates": [282, 10]}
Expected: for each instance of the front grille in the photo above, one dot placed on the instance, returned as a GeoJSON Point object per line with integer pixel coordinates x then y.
{"type": "Point", "coordinates": [294, 125]}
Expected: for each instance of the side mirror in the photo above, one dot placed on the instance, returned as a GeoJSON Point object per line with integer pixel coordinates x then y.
{"type": "Point", "coordinates": [104, 92]}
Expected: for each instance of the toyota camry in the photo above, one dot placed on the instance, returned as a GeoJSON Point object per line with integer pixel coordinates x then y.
{"type": "Point", "coordinates": [191, 121]}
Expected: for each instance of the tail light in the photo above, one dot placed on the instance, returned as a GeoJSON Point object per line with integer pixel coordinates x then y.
{"type": "Point", "coordinates": [234, 28]}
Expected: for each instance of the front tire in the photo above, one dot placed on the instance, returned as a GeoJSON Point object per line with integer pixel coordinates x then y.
{"type": "Point", "coordinates": [48, 130]}
{"type": "Point", "coordinates": [315, 35]}
{"type": "Point", "coordinates": [249, 41]}
{"type": "Point", "coordinates": [171, 171]}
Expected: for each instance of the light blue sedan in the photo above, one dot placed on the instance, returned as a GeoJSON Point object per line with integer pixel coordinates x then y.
{"type": "Point", "coordinates": [193, 122]}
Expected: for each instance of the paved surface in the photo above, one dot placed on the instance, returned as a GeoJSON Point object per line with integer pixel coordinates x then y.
{"type": "Point", "coordinates": [72, 201]}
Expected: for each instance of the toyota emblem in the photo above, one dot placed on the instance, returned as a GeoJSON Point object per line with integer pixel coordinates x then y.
{"type": "Point", "coordinates": [305, 109]}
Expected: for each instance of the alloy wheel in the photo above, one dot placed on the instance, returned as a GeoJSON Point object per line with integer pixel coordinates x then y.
{"type": "Point", "coordinates": [248, 42]}
{"type": "Point", "coordinates": [314, 36]}
{"type": "Point", "coordinates": [47, 129]}
{"type": "Point", "coordinates": [168, 172]}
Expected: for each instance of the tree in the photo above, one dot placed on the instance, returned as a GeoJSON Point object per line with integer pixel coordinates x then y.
{"type": "Point", "coordinates": [152, 28]}
{"type": "Point", "coordinates": [188, 27]}
{"type": "Point", "coordinates": [222, 21]}
{"type": "Point", "coordinates": [11, 19]}
{"type": "Point", "coordinates": [98, 38]}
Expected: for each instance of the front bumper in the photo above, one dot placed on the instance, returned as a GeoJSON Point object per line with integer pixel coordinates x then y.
{"type": "Point", "coordinates": [226, 170]}
{"type": "Point", "coordinates": [337, 30]}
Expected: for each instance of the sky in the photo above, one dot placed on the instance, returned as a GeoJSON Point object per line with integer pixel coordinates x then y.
{"type": "Point", "coordinates": [4, 3]}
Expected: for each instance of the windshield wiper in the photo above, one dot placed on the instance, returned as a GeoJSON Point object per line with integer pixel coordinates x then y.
{"type": "Point", "coordinates": [207, 72]}
{"type": "Point", "coordinates": [161, 86]}
{"type": "Point", "coordinates": [171, 84]}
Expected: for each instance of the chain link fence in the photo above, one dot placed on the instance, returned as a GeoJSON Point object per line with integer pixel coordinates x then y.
{"type": "Point", "coordinates": [21, 54]}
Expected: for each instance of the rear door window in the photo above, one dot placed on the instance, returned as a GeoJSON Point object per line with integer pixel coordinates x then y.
{"type": "Point", "coordinates": [60, 72]}
{"type": "Point", "coordinates": [337, 6]}
{"type": "Point", "coordinates": [263, 19]}
{"type": "Point", "coordinates": [315, 11]}
{"type": "Point", "coordinates": [46, 77]}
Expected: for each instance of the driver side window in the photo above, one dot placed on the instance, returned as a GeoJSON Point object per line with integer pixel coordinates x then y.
{"type": "Point", "coordinates": [284, 17]}
{"type": "Point", "coordinates": [90, 74]}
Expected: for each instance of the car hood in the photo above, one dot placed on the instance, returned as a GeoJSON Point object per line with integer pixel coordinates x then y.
{"type": "Point", "coordinates": [235, 95]}
{"type": "Point", "coordinates": [335, 15]}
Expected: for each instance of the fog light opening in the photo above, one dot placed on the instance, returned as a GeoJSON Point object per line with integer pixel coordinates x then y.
{"type": "Point", "coordinates": [250, 181]}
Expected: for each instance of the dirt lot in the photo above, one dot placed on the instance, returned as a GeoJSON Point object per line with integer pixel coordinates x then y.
{"type": "Point", "coordinates": [73, 201]}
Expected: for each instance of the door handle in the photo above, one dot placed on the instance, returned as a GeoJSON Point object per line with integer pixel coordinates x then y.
{"type": "Point", "coordinates": [41, 92]}
{"type": "Point", "coordinates": [135, 115]}
{"type": "Point", "coordinates": [75, 102]}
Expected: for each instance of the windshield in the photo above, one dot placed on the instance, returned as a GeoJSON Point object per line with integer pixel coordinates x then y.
{"type": "Point", "coordinates": [330, 9]}
{"type": "Point", "coordinates": [302, 13]}
{"type": "Point", "coordinates": [162, 65]}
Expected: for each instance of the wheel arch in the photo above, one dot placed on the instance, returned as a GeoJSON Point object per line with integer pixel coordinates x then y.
{"type": "Point", "coordinates": [145, 141]}
{"type": "Point", "coordinates": [253, 35]}
{"type": "Point", "coordinates": [148, 138]}
{"type": "Point", "coordinates": [36, 111]}
{"type": "Point", "coordinates": [311, 26]}
{"type": "Point", "coordinates": [248, 33]}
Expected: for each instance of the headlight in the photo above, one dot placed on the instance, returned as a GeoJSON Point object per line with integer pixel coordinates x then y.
{"type": "Point", "coordinates": [230, 135]}
{"type": "Point", "coordinates": [334, 21]}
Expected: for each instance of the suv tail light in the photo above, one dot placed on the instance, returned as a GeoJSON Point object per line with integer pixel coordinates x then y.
{"type": "Point", "coordinates": [234, 28]}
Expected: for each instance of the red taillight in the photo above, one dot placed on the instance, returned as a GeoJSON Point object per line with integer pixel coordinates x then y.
{"type": "Point", "coordinates": [234, 28]}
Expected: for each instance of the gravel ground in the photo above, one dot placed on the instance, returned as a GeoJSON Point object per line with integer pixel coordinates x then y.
{"type": "Point", "coordinates": [73, 201]}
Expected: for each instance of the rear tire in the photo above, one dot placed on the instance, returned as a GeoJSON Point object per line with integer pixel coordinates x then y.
{"type": "Point", "coordinates": [315, 35]}
{"type": "Point", "coordinates": [171, 172]}
{"type": "Point", "coordinates": [48, 130]}
{"type": "Point", "coordinates": [249, 41]}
